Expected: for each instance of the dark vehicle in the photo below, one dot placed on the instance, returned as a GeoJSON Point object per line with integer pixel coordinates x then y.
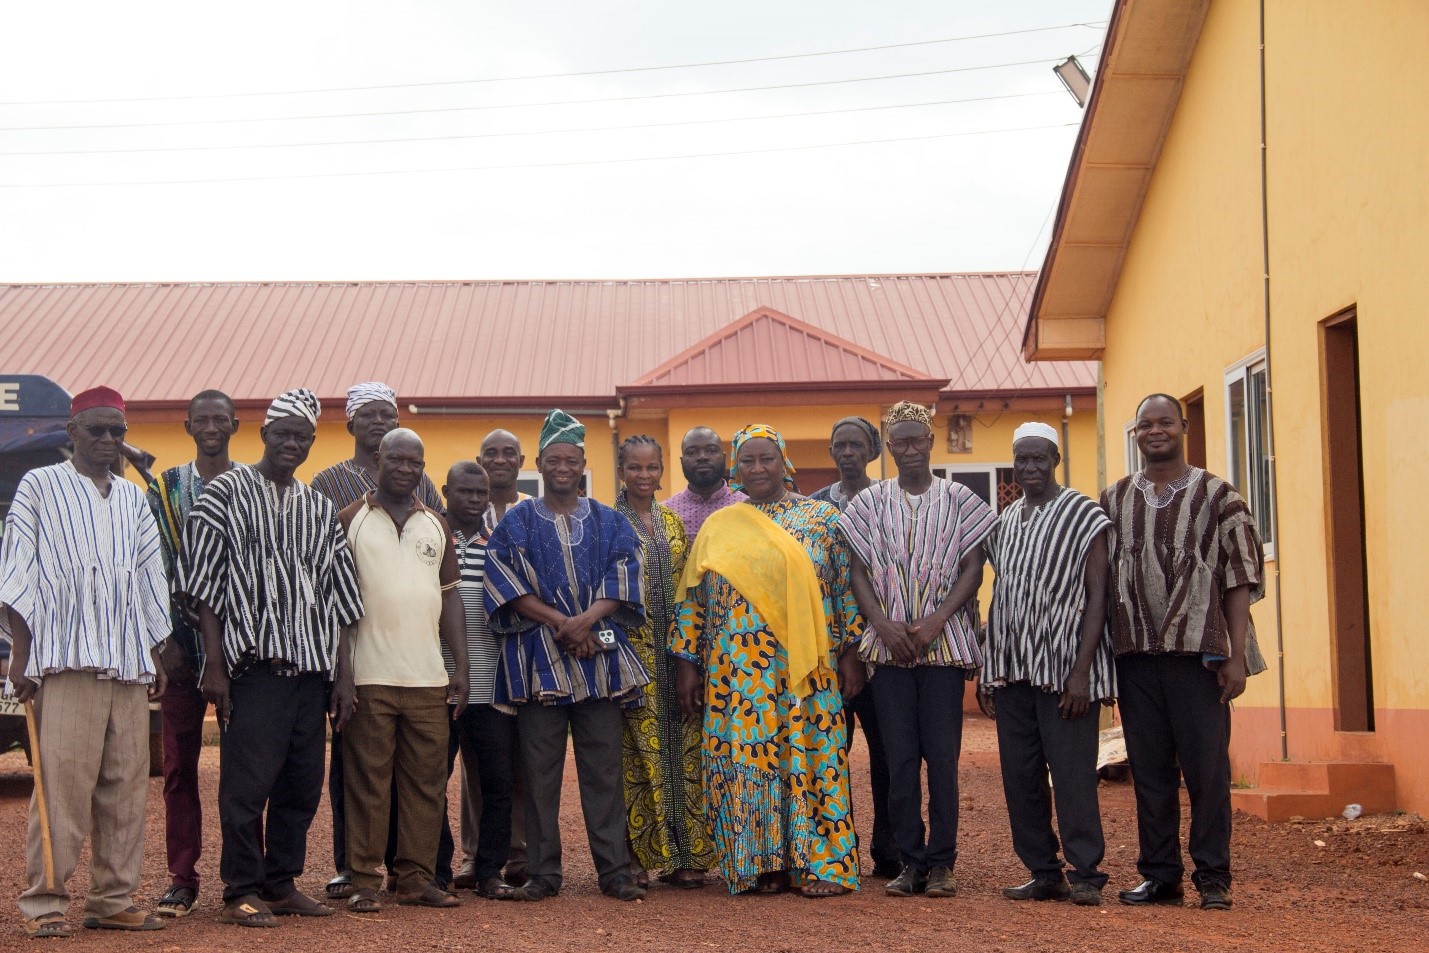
{"type": "Point", "coordinates": [33, 413]}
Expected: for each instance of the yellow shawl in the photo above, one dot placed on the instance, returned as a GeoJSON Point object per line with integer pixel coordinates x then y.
{"type": "Point", "coordinates": [772, 571]}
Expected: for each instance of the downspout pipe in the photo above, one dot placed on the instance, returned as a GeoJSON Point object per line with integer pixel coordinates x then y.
{"type": "Point", "coordinates": [1269, 394]}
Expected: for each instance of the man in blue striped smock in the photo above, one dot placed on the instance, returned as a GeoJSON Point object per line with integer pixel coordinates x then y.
{"type": "Point", "coordinates": [1047, 669]}
{"type": "Point", "coordinates": [86, 606]}
{"type": "Point", "coordinates": [267, 562]}
{"type": "Point", "coordinates": [917, 563]}
{"type": "Point", "coordinates": [563, 581]}
{"type": "Point", "coordinates": [484, 735]}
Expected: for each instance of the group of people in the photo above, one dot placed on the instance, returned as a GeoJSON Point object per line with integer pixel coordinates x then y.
{"type": "Point", "coordinates": [704, 656]}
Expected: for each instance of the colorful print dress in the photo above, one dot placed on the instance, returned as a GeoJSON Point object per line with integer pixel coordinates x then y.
{"type": "Point", "coordinates": [775, 765]}
{"type": "Point", "coordinates": [664, 799]}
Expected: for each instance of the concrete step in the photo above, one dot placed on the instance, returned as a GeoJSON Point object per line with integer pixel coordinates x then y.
{"type": "Point", "coordinates": [1291, 789]}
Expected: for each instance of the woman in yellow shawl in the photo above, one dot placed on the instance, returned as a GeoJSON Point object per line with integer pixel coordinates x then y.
{"type": "Point", "coordinates": [767, 628]}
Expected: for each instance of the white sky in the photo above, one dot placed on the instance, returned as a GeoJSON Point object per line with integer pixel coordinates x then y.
{"type": "Point", "coordinates": [961, 203]}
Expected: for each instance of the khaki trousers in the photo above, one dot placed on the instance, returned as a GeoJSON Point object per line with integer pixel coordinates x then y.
{"type": "Point", "coordinates": [94, 749]}
{"type": "Point", "coordinates": [396, 734]}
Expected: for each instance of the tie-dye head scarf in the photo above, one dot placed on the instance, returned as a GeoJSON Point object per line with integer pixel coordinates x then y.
{"type": "Point", "coordinates": [749, 433]}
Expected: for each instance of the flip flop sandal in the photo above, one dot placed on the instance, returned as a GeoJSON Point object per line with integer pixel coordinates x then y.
{"type": "Point", "coordinates": [340, 887]}
{"type": "Point", "coordinates": [177, 901]}
{"type": "Point", "coordinates": [248, 911]}
{"type": "Point", "coordinates": [50, 926]}
{"type": "Point", "coordinates": [364, 901]}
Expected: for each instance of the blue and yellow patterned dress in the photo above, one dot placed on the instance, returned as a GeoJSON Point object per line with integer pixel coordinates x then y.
{"type": "Point", "coordinates": [775, 765]}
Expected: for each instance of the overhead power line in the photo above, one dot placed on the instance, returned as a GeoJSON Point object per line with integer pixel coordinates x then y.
{"type": "Point", "coordinates": [536, 76]}
{"type": "Point", "coordinates": [534, 165]}
{"type": "Point", "coordinates": [564, 102]}
{"type": "Point", "coordinates": [533, 132]}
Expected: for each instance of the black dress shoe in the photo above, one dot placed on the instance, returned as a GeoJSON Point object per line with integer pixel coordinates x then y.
{"type": "Point", "coordinates": [1152, 891]}
{"type": "Point", "coordinates": [1039, 890]}
{"type": "Point", "coordinates": [887, 871]}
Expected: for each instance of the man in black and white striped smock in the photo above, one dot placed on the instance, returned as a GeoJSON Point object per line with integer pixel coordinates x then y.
{"type": "Point", "coordinates": [1046, 670]}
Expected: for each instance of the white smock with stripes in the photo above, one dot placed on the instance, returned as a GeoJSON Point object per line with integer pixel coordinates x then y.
{"type": "Point", "coordinates": [1040, 594]}
{"type": "Point", "coordinates": [86, 573]}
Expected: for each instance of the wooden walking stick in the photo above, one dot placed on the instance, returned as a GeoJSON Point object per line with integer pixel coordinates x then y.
{"type": "Point", "coordinates": [46, 845]}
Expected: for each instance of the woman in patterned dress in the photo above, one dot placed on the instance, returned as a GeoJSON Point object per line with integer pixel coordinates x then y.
{"type": "Point", "coordinates": [663, 796]}
{"type": "Point", "coordinates": [765, 635]}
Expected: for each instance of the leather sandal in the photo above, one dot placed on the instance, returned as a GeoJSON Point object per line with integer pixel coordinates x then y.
{"type": "Point", "coordinates": [248, 911]}
{"type": "Point", "coordinates": [48, 926]}
{"type": "Point", "coordinates": [299, 904]}
{"type": "Point", "coordinates": [340, 887]}
{"type": "Point", "coordinates": [177, 901]}
{"type": "Point", "coordinates": [429, 896]}
{"type": "Point", "coordinates": [364, 901]}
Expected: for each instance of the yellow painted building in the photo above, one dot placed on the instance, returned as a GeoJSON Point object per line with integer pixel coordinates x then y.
{"type": "Point", "coordinates": [1287, 311]}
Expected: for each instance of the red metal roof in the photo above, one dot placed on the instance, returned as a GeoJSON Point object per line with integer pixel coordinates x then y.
{"type": "Point", "coordinates": [767, 348]}
{"type": "Point", "coordinates": [502, 343]}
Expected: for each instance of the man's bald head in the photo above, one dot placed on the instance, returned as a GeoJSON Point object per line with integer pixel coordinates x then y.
{"type": "Point", "coordinates": [402, 436]}
{"type": "Point", "coordinates": [502, 457]}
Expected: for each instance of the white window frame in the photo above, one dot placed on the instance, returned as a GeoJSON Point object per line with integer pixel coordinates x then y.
{"type": "Point", "coordinates": [945, 470]}
{"type": "Point", "coordinates": [1246, 444]}
{"type": "Point", "coordinates": [1135, 461]}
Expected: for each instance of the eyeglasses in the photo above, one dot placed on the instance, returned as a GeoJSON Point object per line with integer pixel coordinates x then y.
{"type": "Point", "coordinates": [116, 431]}
{"type": "Point", "coordinates": [904, 444]}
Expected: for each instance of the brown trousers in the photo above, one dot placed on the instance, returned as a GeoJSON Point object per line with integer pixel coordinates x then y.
{"type": "Point", "coordinates": [396, 734]}
{"type": "Point", "coordinates": [94, 749]}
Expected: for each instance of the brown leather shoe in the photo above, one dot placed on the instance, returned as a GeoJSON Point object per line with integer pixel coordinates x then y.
{"type": "Point", "coordinates": [130, 919]}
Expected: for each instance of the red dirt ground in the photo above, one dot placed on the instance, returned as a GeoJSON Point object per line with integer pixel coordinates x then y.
{"type": "Point", "coordinates": [1358, 892]}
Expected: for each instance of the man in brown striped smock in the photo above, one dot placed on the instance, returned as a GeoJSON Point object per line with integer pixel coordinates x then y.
{"type": "Point", "coordinates": [1186, 563]}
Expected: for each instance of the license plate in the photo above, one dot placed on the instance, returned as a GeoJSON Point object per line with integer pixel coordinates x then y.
{"type": "Point", "coordinates": [8, 706]}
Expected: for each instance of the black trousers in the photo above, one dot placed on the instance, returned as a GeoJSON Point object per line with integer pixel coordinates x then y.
{"type": "Point", "coordinates": [486, 741]}
{"type": "Point", "coordinates": [861, 710]}
{"type": "Point", "coordinates": [1032, 739]}
{"type": "Point", "coordinates": [595, 727]}
{"type": "Point", "coordinates": [1176, 726]}
{"type": "Point", "coordinates": [271, 761]}
{"type": "Point", "coordinates": [920, 717]}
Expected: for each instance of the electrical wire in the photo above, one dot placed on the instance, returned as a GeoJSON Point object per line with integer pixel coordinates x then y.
{"type": "Point", "coordinates": [564, 102]}
{"type": "Point", "coordinates": [533, 132]}
{"type": "Point", "coordinates": [536, 76]}
{"type": "Point", "coordinates": [536, 165]}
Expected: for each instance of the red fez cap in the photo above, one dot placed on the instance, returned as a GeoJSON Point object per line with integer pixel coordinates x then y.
{"type": "Point", "coordinates": [96, 397]}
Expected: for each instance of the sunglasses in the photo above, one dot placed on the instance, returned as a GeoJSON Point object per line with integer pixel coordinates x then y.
{"type": "Point", "coordinates": [99, 430]}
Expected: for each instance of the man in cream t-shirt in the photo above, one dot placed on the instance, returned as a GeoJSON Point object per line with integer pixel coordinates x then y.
{"type": "Point", "coordinates": [407, 570]}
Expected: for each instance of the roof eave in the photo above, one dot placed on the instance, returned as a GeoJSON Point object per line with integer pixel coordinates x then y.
{"type": "Point", "coordinates": [1148, 50]}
